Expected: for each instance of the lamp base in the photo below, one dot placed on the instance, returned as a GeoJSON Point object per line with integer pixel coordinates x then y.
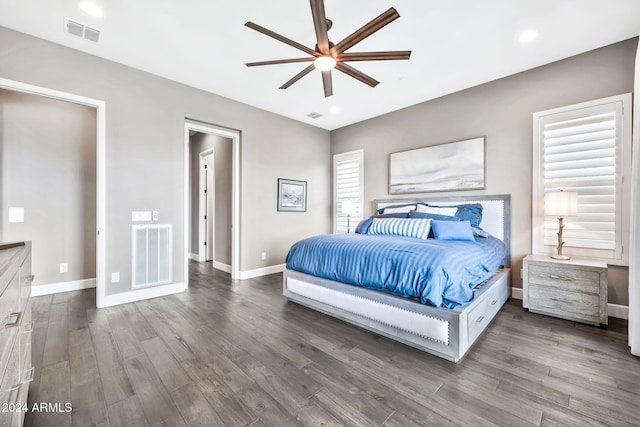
{"type": "Point", "coordinates": [560, 257]}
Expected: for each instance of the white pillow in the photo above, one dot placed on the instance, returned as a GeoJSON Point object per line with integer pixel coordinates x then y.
{"type": "Point", "coordinates": [407, 227]}
{"type": "Point", "coordinates": [437, 210]}
{"type": "Point", "coordinates": [399, 209]}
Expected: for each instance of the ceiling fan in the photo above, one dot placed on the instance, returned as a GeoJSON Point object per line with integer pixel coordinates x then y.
{"type": "Point", "coordinates": [327, 55]}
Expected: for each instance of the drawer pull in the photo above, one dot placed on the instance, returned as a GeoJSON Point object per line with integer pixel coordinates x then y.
{"type": "Point", "coordinates": [29, 328]}
{"type": "Point", "coordinates": [479, 319]}
{"type": "Point", "coordinates": [18, 317]}
{"type": "Point", "coordinates": [30, 375]}
{"type": "Point", "coordinates": [494, 302]}
{"type": "Point", "coordinates": [563, 278]}
{"type": "Point", "coordinates": [29, 278]}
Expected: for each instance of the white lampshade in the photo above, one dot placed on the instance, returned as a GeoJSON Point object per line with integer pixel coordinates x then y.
{"type": "Point", "coordinates": [348, 207]}
{"type": "Point", "coordinates": [561, 203]}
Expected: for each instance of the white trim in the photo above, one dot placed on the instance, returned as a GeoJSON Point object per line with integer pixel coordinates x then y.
{"type": "Point", "coordinates": [101, 137]}
{"type": "Point", "coordinates": [516, 293]}
{"type": "Point", "coordinates": [234, 135]}
{"type": "Point", "coordinates": [613, 310]}
{"type": "Point", "coordinates": [56, 288]}
{"type": "Point", "coordinates": [263, 271]}
{"type": "Point", "coordinates": [221, 266]}
{"type": "Point", "coordinates": [143, 294]}
{"type": "Point", "coordinates": [634, 256]}
{"type": "Point", "coordinates": [195, 257]}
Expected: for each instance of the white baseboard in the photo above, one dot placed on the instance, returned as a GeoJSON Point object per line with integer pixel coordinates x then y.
{"type": "Point", "coordinates": [194, 257]}
{"type": "Point", "coordinates": [221, 266]}
{"type": "Point", "coordinates": [141, 294]}
{"type": "Point", "coordinates": [613, 310]}
{"type": "Point", "coordinates": [249, 274]}
{"type": "Point", "coordinates": [56, 288]}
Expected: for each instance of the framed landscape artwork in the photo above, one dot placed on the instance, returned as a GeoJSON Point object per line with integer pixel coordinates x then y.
{"type": "Point", "coordinates": [292, 195]}
{"type": "Point", "coordinates": [446, 167]}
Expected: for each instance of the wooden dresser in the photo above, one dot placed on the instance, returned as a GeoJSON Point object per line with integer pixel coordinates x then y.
{"type": "Point", "coordinates": [16, 371]}
{"type": "Point", "coordinates": [572, 289]}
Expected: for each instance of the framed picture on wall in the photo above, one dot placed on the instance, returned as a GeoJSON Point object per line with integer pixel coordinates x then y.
{"type": "Point", "coordinates": [292, 195]}
{"type": "Point", "coordinates": [446, 167]}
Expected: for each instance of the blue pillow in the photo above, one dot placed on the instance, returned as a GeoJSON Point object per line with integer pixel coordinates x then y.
{"type": "Point", "coordinates": [416, 214]}
{"type": "Point", "coordinates": [407, 227]}
{"type": "Point", "coordinates": [452, 230]}
{"type": "Point", "coordinates": [471, 212]}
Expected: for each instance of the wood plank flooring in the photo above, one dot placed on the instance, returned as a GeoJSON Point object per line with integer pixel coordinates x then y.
{"type": "Point", "coordinates": [238, 354]}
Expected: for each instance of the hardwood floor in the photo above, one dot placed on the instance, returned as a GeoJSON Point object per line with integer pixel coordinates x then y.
{"type": "Point", "coordinates": [237, 353]}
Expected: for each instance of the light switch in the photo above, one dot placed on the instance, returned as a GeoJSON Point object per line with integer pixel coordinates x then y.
{"type": "Point", "coordinates": [155, 215]}
{"type": "Point", "coordinates": [16, 214]}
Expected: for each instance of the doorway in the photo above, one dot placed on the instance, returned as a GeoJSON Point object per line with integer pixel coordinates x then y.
{"type": "Point", "coordinates": [11, 85]}
{"type": "Point", "coordinates": [207, 214]}
{"type": "Point", "coordinates": [222, 206]}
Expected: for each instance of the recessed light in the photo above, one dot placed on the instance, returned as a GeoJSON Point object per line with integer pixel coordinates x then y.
{"type": "Point", "coordinates": [91, 8]}
{"type": "Point", "coordinates": [334, 109]}
{"type": "Point", "coordinates": [528, 36]}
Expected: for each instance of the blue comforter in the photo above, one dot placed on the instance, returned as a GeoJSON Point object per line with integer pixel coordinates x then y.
{"type": "Point", "coordinates": [439, 272]}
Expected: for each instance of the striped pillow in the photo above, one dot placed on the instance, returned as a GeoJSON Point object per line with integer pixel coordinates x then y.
{"type": "Point", "coordinates": [408, 227]}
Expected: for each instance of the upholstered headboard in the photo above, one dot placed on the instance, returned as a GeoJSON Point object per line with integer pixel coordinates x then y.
{"type": "Point", "coordinates": [496, 212]}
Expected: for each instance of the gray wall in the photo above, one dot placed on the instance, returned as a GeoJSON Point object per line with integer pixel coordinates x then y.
{"type": "Point", "coordinates": [145, 117]}
{"type": "Point", "coordinates": [48, 167]}
{"type": "Point", "coordinates": [223, 180]}
{"type": "Point", "coordinates": [502, 112]}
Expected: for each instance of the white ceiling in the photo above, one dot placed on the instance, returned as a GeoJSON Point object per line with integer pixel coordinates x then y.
{"type": "Point", "coordinates": [455, 44]}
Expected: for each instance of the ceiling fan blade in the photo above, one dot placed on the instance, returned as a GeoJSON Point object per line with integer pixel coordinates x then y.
{"type": "Point", "coordinates": [358, 75]}
{"type": "Point", "coordinates": [365, 31]}
{"type": "Point", "coordinates": [320, 25]}
{"type": "Point", "coordinates": [283, 39]}
{"type": "Point", "coordinates": [298, 76]}
{"type": "Point", "coordinates": [328, 85]}
{"type": "Point", "coordinates": [374, 56]}
{"type": "Point", "coordinates": [279, 61]}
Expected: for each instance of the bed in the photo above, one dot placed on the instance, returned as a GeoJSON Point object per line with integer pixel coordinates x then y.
{"type": "Point", "coordinates": [443, 331]}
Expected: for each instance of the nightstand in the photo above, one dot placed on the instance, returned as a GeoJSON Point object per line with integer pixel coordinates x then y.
{"type": "Point", "coordinates": [573, 289]}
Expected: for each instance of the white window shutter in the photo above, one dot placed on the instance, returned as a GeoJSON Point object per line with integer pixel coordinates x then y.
{"type": "Point", "coordinates": [581, 148]}
{"type": "Point", "coordinates": [348, 184]}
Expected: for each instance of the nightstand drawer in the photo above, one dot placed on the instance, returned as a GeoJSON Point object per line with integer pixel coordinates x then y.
{"type": "Point", "coordinates": [565, 278]}
{"type": "Point", "coordinates": [564, 302]}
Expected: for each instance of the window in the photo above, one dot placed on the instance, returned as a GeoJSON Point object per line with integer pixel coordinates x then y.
{"type": "Point", "coordinates": [584, 148]}
{"type": "Point", "coordinates": [348, 185]}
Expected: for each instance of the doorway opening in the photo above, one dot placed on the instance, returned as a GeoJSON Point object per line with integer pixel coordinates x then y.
{"type": "Point", "coordinates": [212, 196]}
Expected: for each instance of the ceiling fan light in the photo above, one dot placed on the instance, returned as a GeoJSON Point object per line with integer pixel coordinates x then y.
{"type": "Point", "coordinates": [324, 63]}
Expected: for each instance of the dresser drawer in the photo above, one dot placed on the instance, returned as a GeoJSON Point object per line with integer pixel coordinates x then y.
{"type": "Point", "coordinates": [482, 314]}
{"type": "Point", "coordinates": [565, 278]}
{"type": "Point", "coordinates": [564, 302]}
{"type": "Point", "coordinates": [10, 320]}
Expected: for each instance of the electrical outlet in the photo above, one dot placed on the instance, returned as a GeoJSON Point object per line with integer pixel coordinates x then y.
{"type": "Point", "coordinates": [154, 215]}
{"type": "Point", "coordinates": [115, 277]}
{"type": "Point", "coordinates": [64, 267]}
{"type": "Point", "coordinates": [264, 255]}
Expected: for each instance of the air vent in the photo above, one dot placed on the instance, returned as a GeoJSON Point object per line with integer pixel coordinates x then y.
{"type": "Point", "coordinates": [314, 115]}
{"type": "Point", "coordinates": [80, 30]}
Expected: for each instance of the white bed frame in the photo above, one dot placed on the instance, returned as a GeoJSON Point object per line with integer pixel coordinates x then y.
{"type": "Point", "coordinates": [447, 333]}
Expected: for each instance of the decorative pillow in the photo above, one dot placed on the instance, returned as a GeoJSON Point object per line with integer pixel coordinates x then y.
{"type": "Point", "coordinates": [479, 232]}
{"type": "Point", "coordinates": [452, 230]}
{"type": "Point", "coordinates": [416, 214]}
{"type": "Point", "coordinates": [438, 210]}
{"type": "Point", "coordinates": [407, 227]}
{"type": "Point", "coordinates": [404, 208]}
{"type": "Point", "coordinates": [364, 225]}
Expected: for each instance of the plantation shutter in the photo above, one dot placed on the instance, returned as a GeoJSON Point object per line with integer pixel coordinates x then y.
{"type": "Point", "coordinates": [348, 184]}
{"type": "Point", "coordinates": [580, 149]}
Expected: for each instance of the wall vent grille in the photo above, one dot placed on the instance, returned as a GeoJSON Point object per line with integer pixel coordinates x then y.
{"type": "Point", "coordinates": [151, 255]}
{"type": "Point", "coordinates": [80, 30]}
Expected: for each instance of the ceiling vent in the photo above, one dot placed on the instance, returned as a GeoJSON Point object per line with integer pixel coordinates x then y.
{"type": "Point", "coordinates": [80, 30]}
{"type": "Point", "coordinates": [314, 115]}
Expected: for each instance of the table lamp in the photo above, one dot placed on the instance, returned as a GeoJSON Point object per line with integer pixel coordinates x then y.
{"type": "Point", "coordinates": [348, 208]}
{"type": "Point", "coordinates": [561, 204]}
